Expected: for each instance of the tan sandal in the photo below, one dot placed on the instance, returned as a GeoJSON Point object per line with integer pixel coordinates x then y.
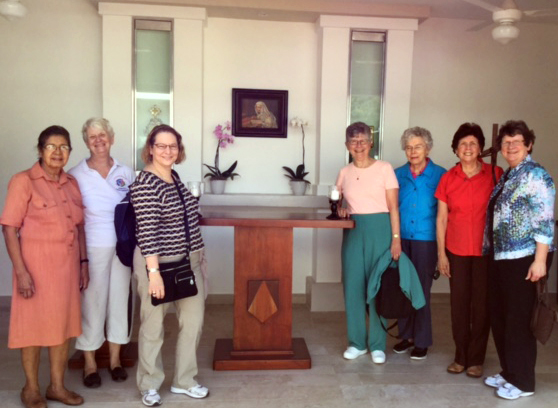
{"type": "Point", "coordinates": [33, 400]}
{"type": "Point", "coordinates": [474, 371]}
{"type": "Point", "coordinates": [455, 368]}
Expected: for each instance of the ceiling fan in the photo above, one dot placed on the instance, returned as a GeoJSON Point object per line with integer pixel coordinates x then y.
{"type": "Point", "coordinates": [506, 17]}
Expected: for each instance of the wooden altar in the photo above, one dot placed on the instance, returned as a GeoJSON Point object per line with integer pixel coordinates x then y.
{"type": "Point", "coordinates": [263, 259]}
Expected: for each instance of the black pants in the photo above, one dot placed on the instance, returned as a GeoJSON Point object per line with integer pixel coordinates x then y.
{"type": "Point", "coordinates": [470, 322]}
{"type": "Point", "coordinates": [511, 304]}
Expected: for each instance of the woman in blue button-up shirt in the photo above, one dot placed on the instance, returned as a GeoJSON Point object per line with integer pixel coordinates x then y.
{"type": "Point", "coordinates": [418, 180]}
{"type": "Point", "coordinates": [519, 239]}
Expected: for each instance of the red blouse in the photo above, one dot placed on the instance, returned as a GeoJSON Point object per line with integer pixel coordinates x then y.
{"type": "Point", "coordinates": [467, 200]}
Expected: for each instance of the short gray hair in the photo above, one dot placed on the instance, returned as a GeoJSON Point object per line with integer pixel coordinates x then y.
{"type": "Point", "coordinates": [418, 132]}
{"type": "Point", "coordinates": [356, 129]}
{"type": "Point", "coordinates": [99, 123]}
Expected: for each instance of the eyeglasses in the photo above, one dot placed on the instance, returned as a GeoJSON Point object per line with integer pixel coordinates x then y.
{"type": "Point", "coordinates": [417, 148]}
{"type": "Point", "coordinates": [162, 147]}
{"type": "Point", "coordinates": [514, 143]}
{"type": "Point", "coordinates": [52, 147]}
{"type": "Point", "coordinates": [359, 142]}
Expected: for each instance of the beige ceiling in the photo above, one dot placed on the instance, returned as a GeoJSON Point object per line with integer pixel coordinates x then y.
{"type": "Point", "coordinates": [309, 10]}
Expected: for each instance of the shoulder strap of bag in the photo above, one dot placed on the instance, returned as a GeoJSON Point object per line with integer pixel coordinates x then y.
{"type": "Point", "coordinates": [179, 190]}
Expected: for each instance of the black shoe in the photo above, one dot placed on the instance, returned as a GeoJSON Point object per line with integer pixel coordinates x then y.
{"type": "Point", "coordinates": [403, 346]}
{"type": "Point", "coordinates": [118, 374]}
{"type": "Point", "coordinates": [419, 353]}
{"type": "Point", "coordinates": [93, 380]}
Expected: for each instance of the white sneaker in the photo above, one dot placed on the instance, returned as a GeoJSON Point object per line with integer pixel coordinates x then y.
{"type": "Point", "coordinates": [511, 392]}
{"type": "Point", "coordinates": [197, 391]}
{"type": "Point", "coordinates": [378, 357]}
{"type": "Point", "coordinates": [352, 352]}
{"type": "Point", "coordinates": [495, 381]}
{"type": "Point", "coordinates": [151, 398]}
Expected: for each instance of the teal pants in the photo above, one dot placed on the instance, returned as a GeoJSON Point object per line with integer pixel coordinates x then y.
{"type": "Point", "coordinates": [362, 247]}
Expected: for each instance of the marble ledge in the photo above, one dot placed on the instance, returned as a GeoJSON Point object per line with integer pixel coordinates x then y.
{"type": "Point", "coordinates": [266, 200]}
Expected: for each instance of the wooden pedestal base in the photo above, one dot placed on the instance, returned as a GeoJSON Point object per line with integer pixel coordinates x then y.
{"type": "Point", "coordinates": [225, 358]}
{"type": "Point", "coordinates": [128, 356]}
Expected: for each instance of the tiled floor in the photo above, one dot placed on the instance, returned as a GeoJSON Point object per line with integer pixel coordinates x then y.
{"type": "Point", "coordinates": [332, 382]}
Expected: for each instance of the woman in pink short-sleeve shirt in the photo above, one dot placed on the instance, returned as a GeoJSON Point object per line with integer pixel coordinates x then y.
{"type": "Point", "coordinates": [370, 190]}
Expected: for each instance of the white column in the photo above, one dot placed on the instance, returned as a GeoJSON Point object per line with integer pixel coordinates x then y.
{"type": "Point", "coordinates": [324, 286]}
{"type": "Point", "coordinates": [118, 105]}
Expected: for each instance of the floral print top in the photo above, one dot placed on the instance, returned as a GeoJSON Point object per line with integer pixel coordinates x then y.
{"type": "Point", "coordinates": [523, 212]}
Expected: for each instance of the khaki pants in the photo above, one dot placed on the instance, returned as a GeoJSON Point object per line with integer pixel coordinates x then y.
{"type": "Point", "coordinates": [189, 312]}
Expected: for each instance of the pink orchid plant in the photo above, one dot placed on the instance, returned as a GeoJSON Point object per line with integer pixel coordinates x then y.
{"type": "Point", "coordinates": [224, 138]}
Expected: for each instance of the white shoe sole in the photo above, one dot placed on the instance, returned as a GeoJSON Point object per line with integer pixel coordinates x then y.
{"type": "Point", "coordinates": [352, 356]}
{"type": "Point", "coordinates": [514, 397]}
{"type": "Point", "coordinates": [175, 390]}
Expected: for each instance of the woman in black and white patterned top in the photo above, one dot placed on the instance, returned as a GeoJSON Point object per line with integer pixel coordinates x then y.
{"type": "Point", "coordinates": [161, 236]}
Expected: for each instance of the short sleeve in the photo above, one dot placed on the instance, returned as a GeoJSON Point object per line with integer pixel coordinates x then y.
{"type": "Point", "coordinates": [17, 200]}
{"type": "Point", "coordinates": [390, 178]}
{"type": "Point", "coordinates": [441, 190]}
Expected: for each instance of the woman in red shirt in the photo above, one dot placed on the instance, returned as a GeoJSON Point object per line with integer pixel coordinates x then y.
{"type": "Point", "coordinates": [463, 194]}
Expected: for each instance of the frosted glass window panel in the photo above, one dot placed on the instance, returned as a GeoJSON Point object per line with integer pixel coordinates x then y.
{"type": "Point", "coordinates": [153, 57]}
{"type": "Point", "coordinates": [153, 45]}
{"type": "Point", "coordinates": [366, 82]}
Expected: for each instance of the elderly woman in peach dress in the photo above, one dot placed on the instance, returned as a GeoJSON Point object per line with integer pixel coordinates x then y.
{"type": "Point", "coordinates": [42, 224]}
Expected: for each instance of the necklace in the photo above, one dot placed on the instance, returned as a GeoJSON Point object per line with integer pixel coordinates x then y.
{"type": "Point", "coordinates": [475, 171]}
{"type": "Point", "coordinates": [357, 173]}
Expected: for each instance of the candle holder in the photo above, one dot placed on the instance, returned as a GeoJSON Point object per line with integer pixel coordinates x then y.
{"type": "Point", "coordinates": [334, 197]}
{"type": "Point", "coordinates": [333, 206]}
{"type": "Point", "coordinates": [195, 188]}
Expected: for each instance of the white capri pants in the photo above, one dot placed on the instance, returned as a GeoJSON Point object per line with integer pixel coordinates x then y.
{"type": "Point", "coordinates": [106, 301]}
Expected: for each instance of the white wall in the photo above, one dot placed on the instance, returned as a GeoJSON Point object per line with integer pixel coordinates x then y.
{"type": "Point", "coordinates": [50, 68]}
{"type": "Point", "coordinates": [461, 76]}
{"type": "Point", "coordinates": [260, 55]}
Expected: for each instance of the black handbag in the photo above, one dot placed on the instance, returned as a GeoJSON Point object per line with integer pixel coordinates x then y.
{"type": "Point", "coordinates": [178, 277]}
{"type": "Point", "coordinates": [179, 280]}
{"type": "Point", "coordinates": [391, 302]}
{"type": "Point", "coordinates": [544, 316]}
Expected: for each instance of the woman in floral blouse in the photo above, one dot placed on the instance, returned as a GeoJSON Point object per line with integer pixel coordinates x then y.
{"type": "Point", "coordinates": [519, 239]}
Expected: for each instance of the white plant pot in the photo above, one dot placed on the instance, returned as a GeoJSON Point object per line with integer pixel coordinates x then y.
{"type": "Point", "coordinates": [298, 187]}
{"type": "Point", "coordinates": [218, 186]}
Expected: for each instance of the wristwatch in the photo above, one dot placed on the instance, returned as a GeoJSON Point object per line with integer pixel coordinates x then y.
{"type": "Point", "coordinates": [395, 235]}
{"type": "Point", "coordinates": [151, 270]}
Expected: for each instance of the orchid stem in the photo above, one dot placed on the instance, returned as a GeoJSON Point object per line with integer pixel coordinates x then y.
{"type": "Point", "coordinates": [217, 156]}
{"type": "Point", "coordinates": [303, 151]}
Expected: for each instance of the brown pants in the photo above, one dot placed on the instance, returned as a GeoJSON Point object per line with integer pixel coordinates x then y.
{"type": "Point", "coordinates": [470, 322]}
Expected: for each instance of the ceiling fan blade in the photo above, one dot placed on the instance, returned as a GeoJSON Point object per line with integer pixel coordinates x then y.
{"type": "Point", "coordinates": [541, 13]}
{"type": "Point", "coordinates": [484, 5]}
{"type": "Point", "coordinates": [480, 26]}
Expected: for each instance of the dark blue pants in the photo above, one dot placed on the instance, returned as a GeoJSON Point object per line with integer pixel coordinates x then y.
{"type": "Point", "coordinates": [423, 255]}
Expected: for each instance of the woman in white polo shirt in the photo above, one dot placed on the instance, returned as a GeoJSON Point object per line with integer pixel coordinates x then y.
{"type": "Point", "coordinates": [103, 183]}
